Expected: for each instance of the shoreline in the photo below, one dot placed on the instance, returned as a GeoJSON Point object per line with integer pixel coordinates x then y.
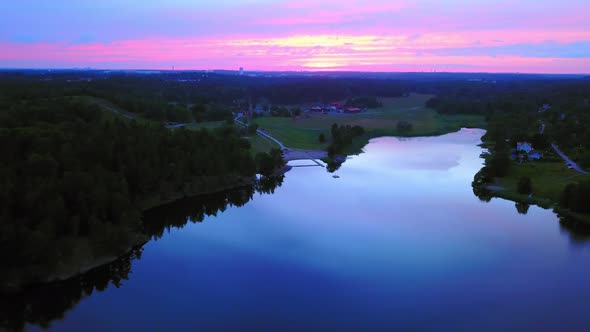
{"type": "Point", "coordinates": [295, 154]}
{"type": "Point", "coordinates": [494, 191]}
{"type": "Point", "coordinates": [139, 239]}
{"type": "Point", "coordinates": [359, 142]}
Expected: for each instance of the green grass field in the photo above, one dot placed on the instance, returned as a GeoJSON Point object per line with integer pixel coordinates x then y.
{"type": "Point", "coordinates": [303, 132]}
{"type": "Point", "coordinates": [261, 144]}
{"type": "Point", "coordinates": [548, 178]}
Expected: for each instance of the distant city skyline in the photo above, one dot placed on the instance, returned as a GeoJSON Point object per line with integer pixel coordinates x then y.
{"type": "Point", "coordinates": [286, 35]}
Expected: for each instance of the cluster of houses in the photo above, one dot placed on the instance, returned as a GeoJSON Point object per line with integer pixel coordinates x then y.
{"type": "Point", "coordinates": [526, 148]}
{"type": "Point", "coordinates": [336, 107]}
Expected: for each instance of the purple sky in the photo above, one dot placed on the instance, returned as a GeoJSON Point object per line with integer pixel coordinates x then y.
{"type": "Point", "coordinates": [371, 35]}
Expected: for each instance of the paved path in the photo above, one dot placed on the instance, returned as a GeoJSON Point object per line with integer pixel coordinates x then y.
{"type": "Point", "coordinates": [178, 125]}
{"type": "Point", "coordinates": [568, 160]}
{"type": "Point", "coordinates": [126, 115]}
{"type": "Point", "coordinates": [288, 153]}
{"type": "Point", "coordinates": [261, 133]}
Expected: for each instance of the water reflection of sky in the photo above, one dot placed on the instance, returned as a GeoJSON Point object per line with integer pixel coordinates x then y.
{"type": "Point", "coordinates": [398, 241]}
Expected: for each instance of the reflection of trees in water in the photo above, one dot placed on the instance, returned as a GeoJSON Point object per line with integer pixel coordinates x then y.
{"type": "Point", "coordinates": [479, 186]}
{"type": "Point", "coordinates": [333, 166]}
{"type": "Point", "coordinates": [267, 185]}
{"type": "Point", "coordinates": [579, 232]}
{"type": "Point", "coordinates": [483, 194]}
{"type": "Point", "coordinates": [522, 208]}
{"type": "Point", "coordinates": [42, 304]}
{"type": "Point", "coordinates": [195, 209]}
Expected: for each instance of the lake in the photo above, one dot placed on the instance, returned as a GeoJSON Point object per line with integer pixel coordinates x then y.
{"type": "Point", "coordinates": [398, 242]}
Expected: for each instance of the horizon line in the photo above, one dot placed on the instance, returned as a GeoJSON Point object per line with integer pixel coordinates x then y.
{"type": "Point", "coordinates": [327, 71]}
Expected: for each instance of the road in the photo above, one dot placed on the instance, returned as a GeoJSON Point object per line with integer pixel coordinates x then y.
{"type": "Point", "coordinates": [261, 133]}
{"type": "Point", "coordinates": [562, 155]}
{"type": "Point", "coordinates": [568, 160]}
{"type": "Point", "coordinates": [131, 117]}
{"type": "Point", "coordinates": [126, 115]}
{"type": "Point", "coordinates": [178, 125]}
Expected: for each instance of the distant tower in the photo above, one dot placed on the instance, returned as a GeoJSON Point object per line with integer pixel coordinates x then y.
{"type": "Point", "coordinates": [241, 71]}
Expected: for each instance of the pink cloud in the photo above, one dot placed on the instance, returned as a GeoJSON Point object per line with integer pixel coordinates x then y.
{"type": "Point", "coordinates": [320, 51]}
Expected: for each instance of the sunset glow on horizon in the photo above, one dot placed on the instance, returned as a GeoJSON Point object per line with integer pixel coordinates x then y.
{"type": "Point", "coordinates": [427, 35]}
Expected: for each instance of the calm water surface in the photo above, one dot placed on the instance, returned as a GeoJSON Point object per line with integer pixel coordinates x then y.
{"type": "Point", "coordinates": [398, 242]}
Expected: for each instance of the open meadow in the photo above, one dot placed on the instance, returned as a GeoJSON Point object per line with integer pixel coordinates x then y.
{"type": "Point", "coordinates": [548, 180]}
{"type": "Point", "coordinates": [303, 132]}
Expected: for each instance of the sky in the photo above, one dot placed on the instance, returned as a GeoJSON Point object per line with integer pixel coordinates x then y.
{"type": "Point", "coordinates": [526, 36]}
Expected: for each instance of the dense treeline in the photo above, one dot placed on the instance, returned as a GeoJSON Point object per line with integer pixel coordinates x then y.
{"type": "Point", "coordinates": [296, 90]}
{"type": "Point", "coordinates": [576, 197]}
{"type": "Point", "coordinates": [280, 111]}
{"type": "Point", "coordinates": [517, 107]}
{"type": "Point", "coordinates": [72, 182]}
{"type": "Point", "coordinates": [184, 97]}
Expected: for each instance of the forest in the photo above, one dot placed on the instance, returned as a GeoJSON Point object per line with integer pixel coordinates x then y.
{"type": "Point", "coordinates": [74, 179]}
{"type": "Point", "coordinates": [198, 96]}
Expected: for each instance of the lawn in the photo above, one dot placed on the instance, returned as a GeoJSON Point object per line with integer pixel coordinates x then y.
{"type": "Point", "coordinates": [303, 132]}
{"type": "Point", "coordinates": [293, 134]}
{"type": "Point", "coordinates": [261, 144]}
{"type": "Point", "coordinates": [548, 178]}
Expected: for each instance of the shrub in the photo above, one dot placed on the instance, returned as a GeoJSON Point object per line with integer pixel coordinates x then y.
{"type": "Point", "coordinates": [525, 186]}
{"type": "Point", "coordinates": [404, 126]}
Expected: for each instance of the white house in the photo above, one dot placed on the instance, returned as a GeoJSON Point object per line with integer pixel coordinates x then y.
{"type": "Point", "coordinates": [524, 146]}
{"type": "Point", "coordinates": [535, 155]}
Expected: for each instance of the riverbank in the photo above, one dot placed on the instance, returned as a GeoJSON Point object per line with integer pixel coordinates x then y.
{"type": "Point", "coordinates": [544, 196]}
{"type": "Point", "coordinates": [83, 258]}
